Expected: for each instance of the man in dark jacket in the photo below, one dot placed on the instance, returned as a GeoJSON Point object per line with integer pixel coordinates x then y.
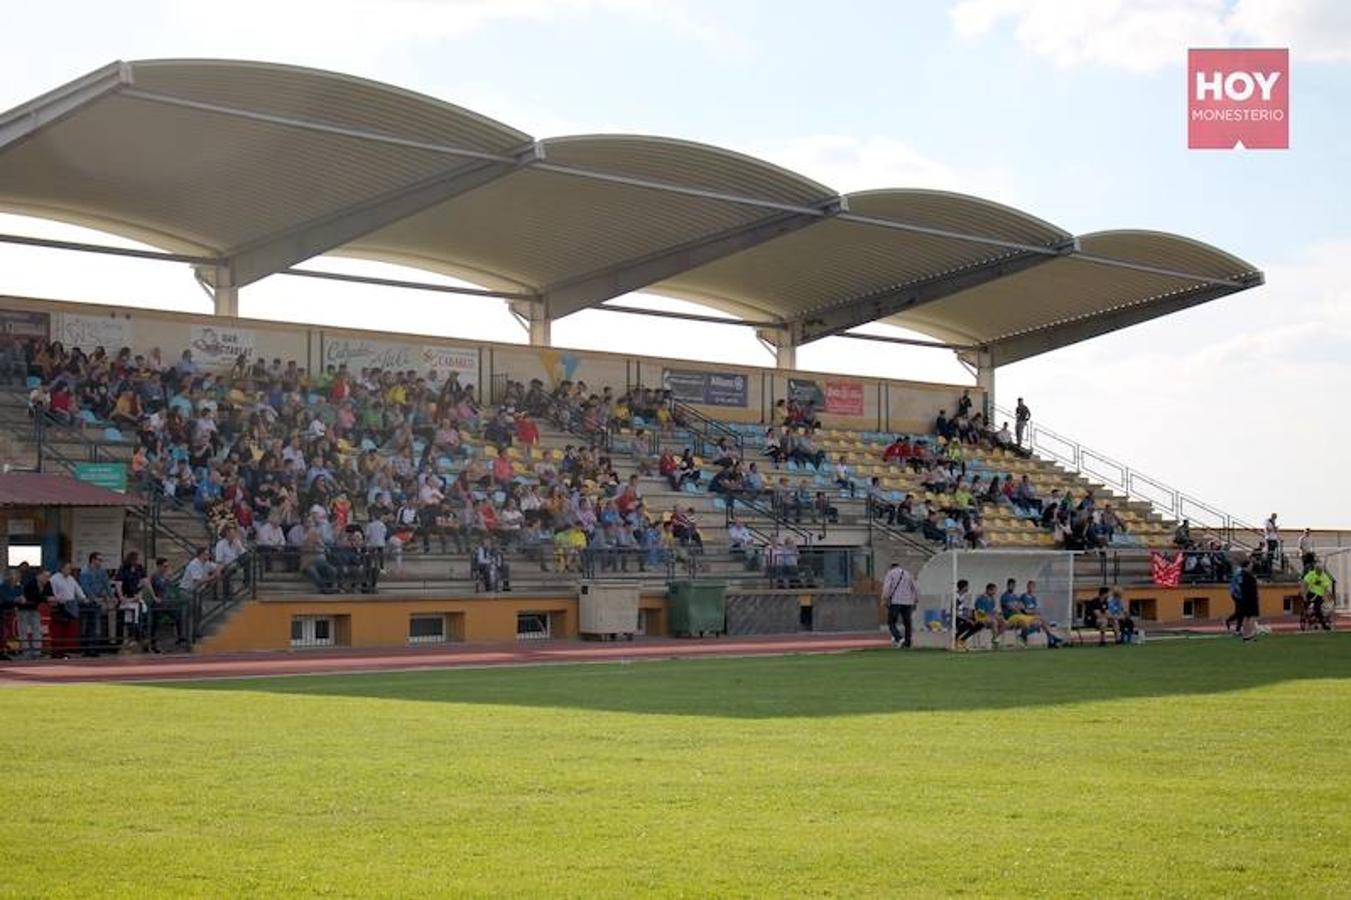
{"type": "Point", "coordinates": [1247, 611]}
{"type": "Point", "coordinates": [36, 591]}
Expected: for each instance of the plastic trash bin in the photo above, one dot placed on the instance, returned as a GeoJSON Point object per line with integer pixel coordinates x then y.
{"type": "Point", "coordinates": [697, 607]}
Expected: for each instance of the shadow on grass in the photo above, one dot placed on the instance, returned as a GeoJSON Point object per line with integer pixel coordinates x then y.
{"type": "Point", "coordinates": [858, 683]}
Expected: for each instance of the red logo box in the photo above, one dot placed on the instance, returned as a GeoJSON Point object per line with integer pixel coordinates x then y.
{"type": "Point", "coordinates": [1238, 97]}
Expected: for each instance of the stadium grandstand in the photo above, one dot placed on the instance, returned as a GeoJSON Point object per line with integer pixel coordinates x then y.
{"type": "Point", "coordinates": [299, 485]}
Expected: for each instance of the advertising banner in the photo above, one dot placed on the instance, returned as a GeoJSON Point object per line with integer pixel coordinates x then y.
{"type": "Point", "coordinates": [839, 398]}
{"type": "Point", "coordinates": [443, 360]}
{"type": "Point", "coordinates": [112, 476]}
{"type": "Point", "coordinates": [216, 349]}
{"type": "Point", "coordinates": [805, 390]}
{"type": "Point", "coordinates": [728, 389]}
{"type": "Point", "coordinates": [18, 325]}
{"type": "Point", "coordinates": [88, 332]}
{"type": "Point", "coordinates": [360, 353]}
{"type": "Point", "coordinates": [844, 398]}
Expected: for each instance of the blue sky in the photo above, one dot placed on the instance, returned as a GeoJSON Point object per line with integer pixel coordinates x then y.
{"type": "Point", "coordinates": [1074, 112]}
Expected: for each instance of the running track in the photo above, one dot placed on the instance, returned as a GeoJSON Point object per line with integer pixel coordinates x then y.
{"type": "Point", "coordinates": [325, 662]}
{"type": "Point", "coordinates": [179, 667]}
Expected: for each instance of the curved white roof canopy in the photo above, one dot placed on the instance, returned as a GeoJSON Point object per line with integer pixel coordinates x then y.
{"type": "Point", "coordinates": [257, 167]}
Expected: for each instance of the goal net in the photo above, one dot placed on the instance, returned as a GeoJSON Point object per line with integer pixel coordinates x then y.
{"type": "Point", "coordinates": [935, 616]}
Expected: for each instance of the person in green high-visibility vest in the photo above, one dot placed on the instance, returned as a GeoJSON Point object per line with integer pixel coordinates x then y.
{"type": "Point", "coordinates": [1317, 592]}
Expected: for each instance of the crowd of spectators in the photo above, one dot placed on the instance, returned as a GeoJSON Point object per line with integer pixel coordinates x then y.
{"type": "Point", "coordinates": [88, 610]}
{"type": "Point", "coordinates": [334, 473]}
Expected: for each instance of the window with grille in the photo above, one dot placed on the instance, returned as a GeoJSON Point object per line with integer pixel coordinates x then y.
{"type": "Point", "coordinates": [427, 629]}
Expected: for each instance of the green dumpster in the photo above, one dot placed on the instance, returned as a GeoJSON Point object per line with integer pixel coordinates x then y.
{"type": "Point", "coordinates": [697, 607]}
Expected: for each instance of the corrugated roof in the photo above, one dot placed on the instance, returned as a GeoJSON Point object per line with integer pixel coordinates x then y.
{"type": "Point", "coordinates": [45, 489]}
{"type": "Point", "coordinates": [258, 166]}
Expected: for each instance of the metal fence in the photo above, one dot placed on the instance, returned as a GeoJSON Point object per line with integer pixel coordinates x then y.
{"type": "Point", "coordinates": [1169, 501]}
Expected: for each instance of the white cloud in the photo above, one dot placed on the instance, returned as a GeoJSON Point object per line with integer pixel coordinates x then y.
{"type": "Point", "coordinates": [1149, 35]}
{"type": "Point", "coordinates": [367, 30]}
{"type": "Point", "coordinates": [1217, 399]}
{"type": "Point", "coordinates": [857, 164]}
{"type": "Point", "coordinates": [1318, 30]}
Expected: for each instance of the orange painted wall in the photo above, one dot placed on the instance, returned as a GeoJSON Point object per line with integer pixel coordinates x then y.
{"type": "Point", "coordinates": [1167, 602]}
{"type": "Point", "coordinates": [266, 624]}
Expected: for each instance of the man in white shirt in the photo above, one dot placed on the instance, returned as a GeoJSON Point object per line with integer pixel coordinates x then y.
{"type": "Point", "coordinates": [842, 477]}
{"type": "Point", "coordinates": [66, 587]}
{"type": "Point", "coordinates": [229, 548]}
{"type": "Point", "coordinates": [271, 541]}
{"type": "Point", "coordinates": [900, 593]}
{"type": "Point", "coordinates": [197, 572]}
{"type": "Point", "coordinates": [270, 535]}
{"type": "Point", "coordinates": [1272, 532]}
{"type": "Point", "coordinates": [738, 536]}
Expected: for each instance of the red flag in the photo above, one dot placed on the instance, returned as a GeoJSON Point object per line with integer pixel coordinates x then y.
{"type": "Point", "coordinates": [1166, 574]}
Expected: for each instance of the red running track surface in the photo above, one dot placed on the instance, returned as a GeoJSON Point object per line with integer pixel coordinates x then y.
{"type": "Point", "coordinates": [326, 662]}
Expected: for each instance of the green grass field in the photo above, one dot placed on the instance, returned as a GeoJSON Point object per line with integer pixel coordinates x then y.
{"type": "Point", "coordinates": [1200, 767]}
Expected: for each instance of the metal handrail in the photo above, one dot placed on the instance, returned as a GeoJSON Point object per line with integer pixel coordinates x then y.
{"type": "Point", "coordinates": [148, 512]}
{"type": "Point", "coordinates": [893, 533]}
{"type": "Point", "coordinates": [227, 588]}
{"type": "Point", "coordinates": [1165, 499]}
{"type": "Point", "coordinates": [705, 430]}
{"type": "Point", "coordinates": [769, 511]}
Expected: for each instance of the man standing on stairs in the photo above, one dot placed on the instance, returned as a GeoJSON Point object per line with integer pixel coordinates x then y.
{"type": "Point", "coordinates": [1021, 416]}
{"type": "Point", "coordinates": [900, 593]}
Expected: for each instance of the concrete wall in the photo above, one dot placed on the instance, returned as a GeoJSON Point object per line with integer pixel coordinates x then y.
{"type": "Point", "coordinates": [885, 405]}
{"type": "Point", "coordinates": [1164, 604]}
{"type": "Point", "coordinates": [376, 622]}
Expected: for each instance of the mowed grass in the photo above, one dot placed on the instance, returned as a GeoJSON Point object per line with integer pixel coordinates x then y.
{"type": "Point", "coordinates": [1185, 768]}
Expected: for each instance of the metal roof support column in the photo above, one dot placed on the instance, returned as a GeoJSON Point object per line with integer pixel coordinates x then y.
{"type": "Point", "coordinates": [541, 325]}
{"type": "Point", "coordinates": [985, 381]}
{"type": "Point", "coordinates": [226, 293]}
{"type": "Point", "coordinates": [785, 344]}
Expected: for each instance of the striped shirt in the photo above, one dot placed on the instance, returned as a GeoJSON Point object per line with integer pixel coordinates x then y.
{"type": "Point", "coordinates": [899, 588]}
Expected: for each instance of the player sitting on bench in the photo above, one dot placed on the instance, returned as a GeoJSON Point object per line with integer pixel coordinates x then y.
{"type": "Point", "coordinates": [1120, 617]}
{"type": "Point", "coordinates": [1095, 617]}
{"type": "Point", "coordinates": [973, 617]}
{"type": "Point", "coordinates": [1021, 613]}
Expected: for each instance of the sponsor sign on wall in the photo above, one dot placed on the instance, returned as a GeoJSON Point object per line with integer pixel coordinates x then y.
{"type": "Point", "coordinates": [805, 390]}
{"type": "Point", "coordinates": [837, 398]}
{"type": "Point", "coordinates": [18, 325]}
{"type": "Point", "coordinates": [359, 353]}
{"type": "Point", "coordinates": [707, 388]}
{"type": "Point", "coordinates": [844, 398]}
{"type": "Point", "coordinates": [88, 332]}
{"type": "Point", "coordinates": [443, 360]}
{"type": "Point", "coordinates": [216, 349]}
{"type": "Point", "coordinates": [112, 476]}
